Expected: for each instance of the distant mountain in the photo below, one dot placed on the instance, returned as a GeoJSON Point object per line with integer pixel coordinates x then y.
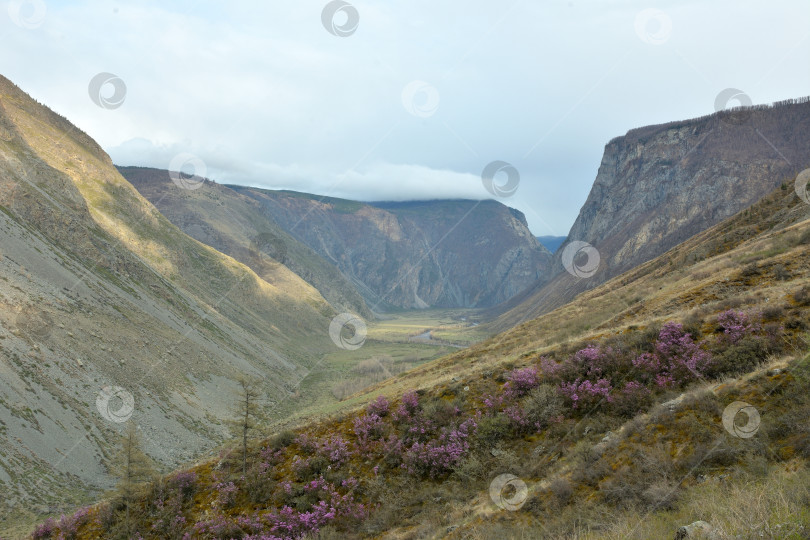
{"type": "Point", "coordinates": [98, 291]}
{"type": "Point", "coordinates": [445, 253]}
{"type": "Point", "coordinates": [659, 185]}
{"type": "Point", "coordinates": [551, 243]}
{"type": "Point", "coordinates": [239, 226]}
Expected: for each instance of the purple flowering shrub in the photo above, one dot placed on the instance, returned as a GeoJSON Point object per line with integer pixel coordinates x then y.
{"type": "Point", "coordinates": [368, 428]}
{"type": "Point", "coordinates": [380, 406]}
{"type": "Point", "coordinates": [45, 530]}
{"type": "Point", "coordinates": [184, 484]}
{"type": "Point", "coordinates": [439, 455]}
{"type": "Point", "coordinates": [737, 324]}
{"type": "Point", "coordinates": [586, 393]}
{"type": "Point", "coordinates": [66, 528]}
{"type": "Point", "coordinates": [335, 449]}
{"type": "Point", "coordinates": [521, 382]}
{"type": "Point", "coordinates": [318, 503]}
{"type": "Point", "coordinates": [676, 360]}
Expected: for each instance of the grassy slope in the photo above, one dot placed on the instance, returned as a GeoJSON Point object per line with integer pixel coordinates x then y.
{"type": "Point", "coordinates": [583, 484]}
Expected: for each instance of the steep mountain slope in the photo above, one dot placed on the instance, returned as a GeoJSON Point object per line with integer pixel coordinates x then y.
{"type": "Point", "coordinates": [659, 185]}
{"type": "Point", "coordinates": [505, 439]}
{"type": "Point", "coordinates": [415, 254]}
{"type": "Point", "coordinates": [237, 226]}
{"type": "Point", "coordinates": [98, 289]}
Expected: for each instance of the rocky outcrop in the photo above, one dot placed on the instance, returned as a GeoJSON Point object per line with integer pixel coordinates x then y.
{"type": "Point", "coordinates": [659, 185]}
{"type": "Point", "coordinates": [448, 253]}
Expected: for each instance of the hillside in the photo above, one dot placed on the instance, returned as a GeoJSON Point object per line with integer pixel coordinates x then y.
{"type": "Point", "coordinates": [606, 418]}
{"type": "Point", "coordinates": [106, 307]}
{"type": "Point", "coordinates": [237, 226]}
{"type": "Point", "coordinates": [415, 254]}
{"type": "Point", "coordinates": [659, 185]}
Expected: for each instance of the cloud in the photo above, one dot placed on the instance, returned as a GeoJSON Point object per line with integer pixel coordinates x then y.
{"type": "Point", "coordinates": [378, 181]}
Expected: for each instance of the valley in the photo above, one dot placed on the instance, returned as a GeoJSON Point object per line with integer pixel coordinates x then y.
{"type": "Point", "coordinates": [187, 358]}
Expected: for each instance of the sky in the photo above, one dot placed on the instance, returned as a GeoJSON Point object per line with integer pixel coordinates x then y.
{"type": "Point", "coordinates": [396, 99]}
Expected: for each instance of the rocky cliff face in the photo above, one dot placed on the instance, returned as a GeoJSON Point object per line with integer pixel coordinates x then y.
{"type": "Point", "coordinates": [659, 185]}
{"type": "Point", "coordinates": [416, 254]}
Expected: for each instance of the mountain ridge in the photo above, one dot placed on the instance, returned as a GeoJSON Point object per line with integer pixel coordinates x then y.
{"type": "Point", "coordinates": [415, 254]}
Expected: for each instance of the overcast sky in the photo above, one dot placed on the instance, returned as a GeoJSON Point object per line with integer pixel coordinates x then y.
{"type": "Point", "coordinates": [413, 101]}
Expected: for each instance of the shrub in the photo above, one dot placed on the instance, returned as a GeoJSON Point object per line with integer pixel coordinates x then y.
{"type": "Point", "coordinates": [45, 530]}
{"type": "Point", "coordinates": [408, 408]}
{"type": "Point", "coordinates": [335, 449]}
{"type": "Point", "coordinates": [677, 358]}
{"type": "Point", "coordinates": [739, 358]}
{"type": "Point", "coordinates": [542, 406]}
{"type": "Point", "coordinates": [562, 490]}
{"type": "Point", "coordinates": [586, 393]}
{"type": "Point", "coordinates": [368, 428]}
{"type": "Point", "coordinates": [439, 456]}
{"type": "Point", "coordinates": [309, 468]}
{"type": "Point", "coordinates": [493, 429]}
{"type": "Point", "coordinates": [773, 313]}
{"type": "Point", "coordinates": [379, 406]}
{"type": "Point", "coordinates": [632, 399]}
{"type": "Point", "coordinates": [521, 382]}
{"type": "Point", "coordinates": [780, 272]}
{"type": "Point", "coordinates": [802, 296]}
{"type": "Point", "coordinates": [471, 469]}
{"type": "Point", "coordinates": [750, 270]}
{"type": "Point", "coordinates": [736, 325]}
{"type": "Point", "coordinates": [282, 440]}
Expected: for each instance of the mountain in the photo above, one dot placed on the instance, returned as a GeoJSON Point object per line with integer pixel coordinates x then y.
{"type": "Point", "coordinates": [238, 226]}
{"type": "Point", "coordinates": [659, 185]}
{"type": "Point", "coordinates": [671, 398]}
{"type": "Point", "coordinates": [552, 243]}
{"type": "Point", "coordinates": [447, 253]}
{"type": "Point", "coordinates": [108, 311]}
